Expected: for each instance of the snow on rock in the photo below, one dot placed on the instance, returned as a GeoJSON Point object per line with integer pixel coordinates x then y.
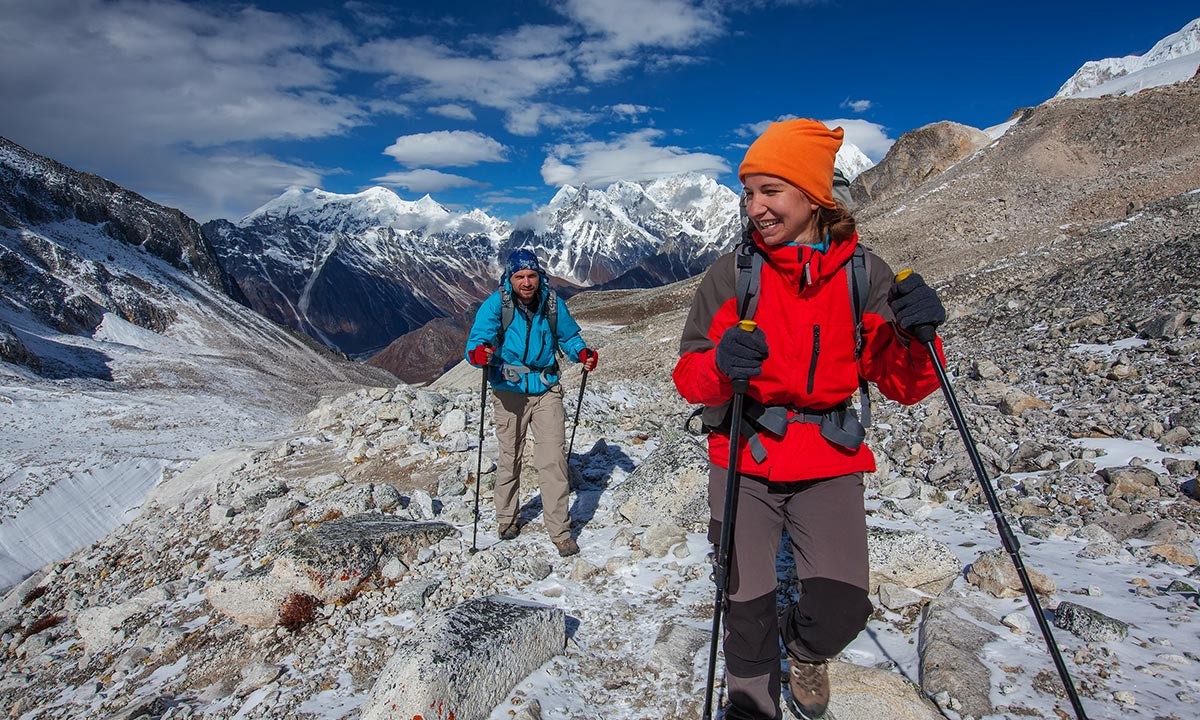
{"type": "Point", "coordinates": [953, 634]}
{"type": "Point", "coordinates": [911, 560]}
{"type": "Point", "coordinates": [671, 483]}
{"type": "Point", "coordinates": [463, 662]}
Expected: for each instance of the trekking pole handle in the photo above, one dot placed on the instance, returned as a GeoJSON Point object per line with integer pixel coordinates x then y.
{"type": "Point", "coordinates": [923, 333]}
{"type": "Point", "coordinates": [742, 385]}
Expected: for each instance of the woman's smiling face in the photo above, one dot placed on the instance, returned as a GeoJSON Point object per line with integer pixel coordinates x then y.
{"type": "Point", "coordinates": [781, 211]}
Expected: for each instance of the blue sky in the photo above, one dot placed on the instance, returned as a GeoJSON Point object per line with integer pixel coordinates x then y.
{"type": "Point", "coordinates": [217, 107]}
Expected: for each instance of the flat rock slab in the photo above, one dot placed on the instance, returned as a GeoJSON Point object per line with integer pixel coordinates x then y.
{"type": "Point", "coordinates": [862, 693]}
{"type": "Point", "coordinates": [953, 633]}
{"type": "Point", "coordinates": [911, 560]}
{"type": "Point", "coordinates": [336, 557]}
{"type": "Point", "coordinates": [329, 563]}
{"type": "Point", "coordinates": [461, 663]}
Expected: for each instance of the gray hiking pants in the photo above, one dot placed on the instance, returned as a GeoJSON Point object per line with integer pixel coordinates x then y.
{"type": "Point", "coordinates": [515, 416]}
{"type": "Point", "coordinates": [827, 525]}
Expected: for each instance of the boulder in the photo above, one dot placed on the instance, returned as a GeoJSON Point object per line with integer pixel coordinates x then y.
{"type": "Point", "coordinates": [329, 563]}
{"type": "Point", "coordinates": [1088, 624]}
{"type": "Point", "coordinates": [671, 483]}
{"type": "Point", "coordinates": [950, 647]}
{"type": "Point", "coordinates": [462, 663]}
{"type": "Point", "coordinates": [869, 693]}
{"type": "Point", "coordinates": [911, 560]}
{"type": "Point", "coordinates": [676, 645]}
{"type": "Point", "coordinates": [994, 572]}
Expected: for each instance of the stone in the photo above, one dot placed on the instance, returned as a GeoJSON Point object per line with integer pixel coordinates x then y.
{"type": "Point", "coordinates": [671, 483]}
{"type": "Point", "coordinates": [453, 422]}
{"type": "Point", "coordinates": [993, 572]}
{"type": "Point", "coordinates": [951, 644]}
{"type": "Point", "coordinates": [1130, 481]}
{"type": "Point", "coordinates": [676, 645]}
{"type": "Point", "coordinates": [1017, 402]}
{"type": "Point", "coordinates": [463, 662]}
{"type": "Point", "coordinates": [1087, 624]}
{"type": "Point", "coordinates": [332, 560]}
{"type": "Point", "coordinates": [863, 692]}
{"type": "Point", "coordinates": [910, 560]}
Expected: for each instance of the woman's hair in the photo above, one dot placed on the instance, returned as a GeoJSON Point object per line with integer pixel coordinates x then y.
{"type": "Point", "coordinates": [837, 224]}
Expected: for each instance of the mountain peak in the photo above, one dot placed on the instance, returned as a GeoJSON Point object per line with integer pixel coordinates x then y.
{"type": "Point", "coordinates": [1173, 59]}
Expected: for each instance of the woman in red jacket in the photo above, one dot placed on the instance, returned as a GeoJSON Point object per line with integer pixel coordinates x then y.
{"type": "Point", "coordinates": [804, 471]}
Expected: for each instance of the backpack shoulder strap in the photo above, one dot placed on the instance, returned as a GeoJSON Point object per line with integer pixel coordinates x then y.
{"type": "Point", "coordinates": [858, 276]}
{"type": "Point", "coordinates": [506, 315]}
{"type": "Point", "coordinates": [552, 313]}
{"type": "Point", "coordinates": [749, 276]}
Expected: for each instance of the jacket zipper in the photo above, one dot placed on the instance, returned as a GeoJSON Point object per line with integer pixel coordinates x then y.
{"type": "Point", "coordinates": [816, 351]}
{"type": "Point", "coordinates": [525, 352]}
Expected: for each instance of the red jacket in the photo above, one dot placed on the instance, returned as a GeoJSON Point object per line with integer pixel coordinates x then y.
{"type": "Point", "coordinates": [809, 328]}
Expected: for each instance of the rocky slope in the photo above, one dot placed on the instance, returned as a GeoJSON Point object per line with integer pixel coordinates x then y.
{"type": "Point", "coordinates": [313, 574]}
{"type": "Point", "coordinates": [195, 612]}
{"type": "Point", "coordinates": [1063, 168]}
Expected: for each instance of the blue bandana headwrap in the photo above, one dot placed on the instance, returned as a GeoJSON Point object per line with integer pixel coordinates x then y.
{"type": "Point", "coordinates": [521, 260]}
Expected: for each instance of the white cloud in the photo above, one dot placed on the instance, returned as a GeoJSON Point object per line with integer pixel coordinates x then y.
{"type": "Point", "coordinates": [628, 111]}
{"type": "Point", "coordinates": [446, 148]}
{"type": "Point", "coordinates": [424, 180]}
{"type": "Point", "coordinates": [161, 96]}
{"type": "Point", "coordinates": [165, 72]}
{"type": "Point", "coordinates": [530, 119]}
{"type": "Point", "coordinates": [628, 24]}
{"type": "Point", "coordinates": [871, 138]}
{"type": "Point", "coordinates": [425, 70]}
{"type": "Point", "coordinates": [210, 186]}
{"type": "Point", "coordinates": [857, 105]}
{"type": "Point", "coordinates": [453, 111]}
{"type": "Point", "coordinates": [621, 30]}
{"type": "Point", "coordinates": [634, 156]}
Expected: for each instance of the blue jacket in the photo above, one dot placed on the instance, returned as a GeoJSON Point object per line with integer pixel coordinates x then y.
{"type": "Point", "coordinates": [527, 342]}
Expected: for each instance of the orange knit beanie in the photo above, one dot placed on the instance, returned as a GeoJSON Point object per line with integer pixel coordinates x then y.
{"type": "Point", "coordinates": [799, 151]}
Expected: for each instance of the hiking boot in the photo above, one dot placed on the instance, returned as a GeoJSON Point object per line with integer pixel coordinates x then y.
{"type": "Point", "coordinates": [567, 547]}
{"type": "Point", "coordinates": [509, 531]}
{"type": "Point", "coordinates": [809, 683]}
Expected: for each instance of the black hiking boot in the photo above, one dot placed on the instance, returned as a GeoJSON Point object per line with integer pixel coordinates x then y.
{"type": "Point", "coordinates": [509, 531]}
{"type": "Point", "coordinates": [809, 683]}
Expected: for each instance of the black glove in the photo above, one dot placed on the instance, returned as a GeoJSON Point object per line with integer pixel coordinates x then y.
{"type": "Point", "coordinates": [740, 353]}
{"type": "Point", "coordinates": [915, 304]}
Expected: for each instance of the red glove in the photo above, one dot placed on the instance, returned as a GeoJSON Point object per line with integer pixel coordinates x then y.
{"type": "Point", "coordinates": [589, 358]}
{"type": "Point", "coordinates": [480, 355]}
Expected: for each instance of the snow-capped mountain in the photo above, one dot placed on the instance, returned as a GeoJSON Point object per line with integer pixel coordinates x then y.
{"type": "Point", "coordinates": [851, 161]}
{"type": "Point", "coordinates": [1173, 59]}
{"type": "Point", "coordinates": [117, 325]}
{"type": "Point", "coordinates": [632, 234]}
{"type": "Point", "coordinates": [356, 271]}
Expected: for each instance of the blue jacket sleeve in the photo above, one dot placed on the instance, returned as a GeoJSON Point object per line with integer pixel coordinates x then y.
{"type": "Point", "coordinates": [569, 338]}
{"type": "Point", "coordinates": [486, 328]}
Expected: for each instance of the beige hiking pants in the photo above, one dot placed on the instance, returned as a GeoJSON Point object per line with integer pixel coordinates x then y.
{"type": "Point", "coordinates": [515, 416]}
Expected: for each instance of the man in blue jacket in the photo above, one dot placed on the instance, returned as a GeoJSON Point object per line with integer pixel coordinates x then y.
{"type": "Point", "coordinates": [518, 332]}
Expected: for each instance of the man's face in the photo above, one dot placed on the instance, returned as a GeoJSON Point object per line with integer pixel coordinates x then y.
{"type": "Point", "coordinates": [525, 284]}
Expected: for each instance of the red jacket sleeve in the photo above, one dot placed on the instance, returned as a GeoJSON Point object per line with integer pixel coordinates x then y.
{"type": "Point", "coordinates": [696, 375]}
{"type": "Point", "coordinates": [897, 364]}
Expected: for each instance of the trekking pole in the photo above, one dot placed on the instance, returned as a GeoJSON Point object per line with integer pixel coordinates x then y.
{"type": "Point", "coordinates": [575, 423]}
{"type": "Point", "coordinates": [727, 519]}
{"type": "Point", "coordinates": [925, 334]}
{"type": "Point", "coordinates": [479, 464]}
